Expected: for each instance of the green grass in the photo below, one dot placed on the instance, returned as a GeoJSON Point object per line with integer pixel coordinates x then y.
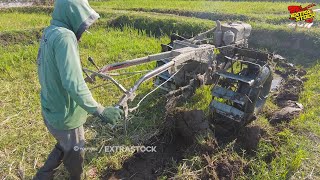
{"type": "Point", "coordinates": [22, 21]}
{"type": "Point", "coordinates": [309, 99]}
{"type": "Point", "coordinates": [274, 37]}
{"type": "Point", "coordinates": [247, 11]}
{"type": "Point", "coordinates": [158, 24]}
{"type": "Point", "coordinates": [213, 6]}
{"type": "Point", "coordinates": [25, 142]}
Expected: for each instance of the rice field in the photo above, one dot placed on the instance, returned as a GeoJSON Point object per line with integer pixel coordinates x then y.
{"type": "Point", "coordinates": [123, 34]}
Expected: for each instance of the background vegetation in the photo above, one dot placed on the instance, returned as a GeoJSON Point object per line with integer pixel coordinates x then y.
{"type": "Point", "coordinates": [123, 33]}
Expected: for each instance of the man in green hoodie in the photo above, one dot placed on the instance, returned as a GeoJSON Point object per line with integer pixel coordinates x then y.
{"type": "Point", "coordinates": [65, 97]}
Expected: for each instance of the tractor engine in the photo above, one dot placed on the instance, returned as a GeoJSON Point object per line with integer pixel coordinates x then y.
{"type": "Point", "coordinates": [241, 77]}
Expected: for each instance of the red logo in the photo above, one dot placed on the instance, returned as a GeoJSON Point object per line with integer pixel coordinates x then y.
{"type": "Point", "coordinates": [298, 13]}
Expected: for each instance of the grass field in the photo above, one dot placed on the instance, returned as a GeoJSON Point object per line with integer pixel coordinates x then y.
{"type": "Point", "coordinates": [273, 13]}
{"type": "Point", "coordinates": [121, 35]}
{"type": "Point", "coordinates": [24, 21]}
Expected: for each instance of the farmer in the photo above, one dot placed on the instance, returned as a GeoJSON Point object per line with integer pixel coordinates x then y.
{"type": "Point", "coordinates": [65, 97]}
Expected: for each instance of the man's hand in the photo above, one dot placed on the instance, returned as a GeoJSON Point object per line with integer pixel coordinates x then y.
{"type": "Point", "coordinates": [111, 115]}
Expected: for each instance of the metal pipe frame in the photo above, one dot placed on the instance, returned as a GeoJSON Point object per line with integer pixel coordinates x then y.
{"type": "Point", "coordinates": [136, 61]}
{"type": "Point", "coordinates": [179, 57]}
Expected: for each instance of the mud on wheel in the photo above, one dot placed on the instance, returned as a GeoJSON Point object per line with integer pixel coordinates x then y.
{"type": "Point", "coordinates": [236, 102]}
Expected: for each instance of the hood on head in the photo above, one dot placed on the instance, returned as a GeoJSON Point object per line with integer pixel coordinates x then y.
{"type": "Point", "coordinates": [76, 15]}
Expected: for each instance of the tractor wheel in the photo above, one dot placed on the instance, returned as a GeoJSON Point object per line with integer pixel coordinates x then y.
{"type": "Point", "coordinates": [257, 95]}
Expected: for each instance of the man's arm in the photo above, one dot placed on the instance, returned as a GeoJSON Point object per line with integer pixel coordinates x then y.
{"type": "Point", "coordinates": [70, 70]}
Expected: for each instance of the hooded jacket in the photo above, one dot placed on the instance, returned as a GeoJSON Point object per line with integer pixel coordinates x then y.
{"type": "Point", "coordinates": [65, 97]}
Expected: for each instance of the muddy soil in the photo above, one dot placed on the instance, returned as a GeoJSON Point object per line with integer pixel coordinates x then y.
{"type": "Point", "coordinates": [223, 168]}
{"type": "Point", "coordinates": [152, 165]}
{"type": "Point", "coordinates": [178, 140]}
{"type": "Point", "coordinates": [175, 139]}
{"type": "Point", "coordinates": [285, 115]}
{"type": "Point", "coordinates": [287, 96]}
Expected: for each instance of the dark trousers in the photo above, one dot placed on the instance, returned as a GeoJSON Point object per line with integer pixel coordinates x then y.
{"type": "Point", "coordinates": [69, 150]}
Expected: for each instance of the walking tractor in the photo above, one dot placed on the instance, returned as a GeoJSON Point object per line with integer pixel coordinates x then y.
{"type": "Point", "coordinates": [240, 77]}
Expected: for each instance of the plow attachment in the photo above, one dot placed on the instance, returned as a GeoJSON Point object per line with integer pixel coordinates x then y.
{"type": "Point", "coordinates": [240, 77]}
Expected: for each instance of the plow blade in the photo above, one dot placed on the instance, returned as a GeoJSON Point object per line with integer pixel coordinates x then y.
{"type": "Point", "coordinates": [227, 111]}
{"type": "Point", "coordinates": [221, 92]}
{"type": "Point", "coordinates": [244, 79]}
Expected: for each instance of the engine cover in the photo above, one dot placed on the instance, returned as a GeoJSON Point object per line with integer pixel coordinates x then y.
{"type": "Point", "coordinates": [241, 30]}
